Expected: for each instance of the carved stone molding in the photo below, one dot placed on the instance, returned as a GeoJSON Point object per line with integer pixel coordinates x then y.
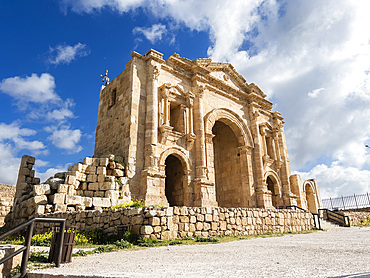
{"type": "Point", "coordinates": [165, 130]}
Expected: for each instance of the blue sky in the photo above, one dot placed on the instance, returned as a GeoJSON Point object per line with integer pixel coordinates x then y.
{"type": "Point", "coordinates": [312, 59]}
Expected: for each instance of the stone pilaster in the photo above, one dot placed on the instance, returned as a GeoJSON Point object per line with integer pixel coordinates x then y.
{"type": "Point", "coordinates": [263, 199]}
{"type": "Point", "coordinates": [204, 190]}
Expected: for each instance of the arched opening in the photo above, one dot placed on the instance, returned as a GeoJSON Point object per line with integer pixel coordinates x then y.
{"type": "Point", "coordinates": [174, 181]}
{"type": "Point", "coordinates": [271, 187]}
{"type": "Point", "coordinates": [310, 198]}
{"type": "Point", "coordinates": [227, 166]}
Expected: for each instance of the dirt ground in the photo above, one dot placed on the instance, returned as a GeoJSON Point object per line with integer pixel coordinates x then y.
{"type": "Point", "coordinates": [340, 252]}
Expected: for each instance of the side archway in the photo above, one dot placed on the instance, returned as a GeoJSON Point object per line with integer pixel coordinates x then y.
{"type": "Point", "coordinates": [176, 167]}
{"type": "Point", "coordinates": [274, 186]}
{"type": "Point", "coordinates": [310, 196]}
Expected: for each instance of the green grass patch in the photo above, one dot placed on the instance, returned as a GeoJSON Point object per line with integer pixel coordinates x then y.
{"type": "Point", "coordinates": [366, 222]}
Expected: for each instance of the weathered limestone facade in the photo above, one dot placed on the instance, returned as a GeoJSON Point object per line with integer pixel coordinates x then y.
{"type": "Point", "coordinates": [175, 133]}
{"type": "Point", "coordinates": [194, 133]}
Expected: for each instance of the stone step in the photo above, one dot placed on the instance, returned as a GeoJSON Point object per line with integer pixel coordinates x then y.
{"type": "Point", "coordinates": [327, 225]}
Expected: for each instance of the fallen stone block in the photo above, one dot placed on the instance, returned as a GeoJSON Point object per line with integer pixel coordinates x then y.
{"type": "Point", "coordinates": [73, 200]}
{"type": "Point", "coordinates": [41, 189]}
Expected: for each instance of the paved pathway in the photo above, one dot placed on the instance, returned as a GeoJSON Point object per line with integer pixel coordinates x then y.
{"type": "Point", "coordinates": [339, 252]}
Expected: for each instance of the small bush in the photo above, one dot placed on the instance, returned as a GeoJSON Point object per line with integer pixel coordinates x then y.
{"type": "Point", "coordinates": [122, 244]}
{"type": "Point", "coordinates": [81, 253]}
{"type": "Point", "coordinates": [366, 222]}
{"type": "Point", "coordinates": [175, 242]}
{"type": "Point", "coordinates": [42, 239]}
{"type": "Point", "coordinates": [102, 249]}
{"type": "Point", "coordinates": [39, 257]}
{"type": "Point", "coordinates": [147, 242]}
{"type": "Point", "coordinates": [97, 237]}
{"type": "Point", "coordinates": [130, 237]}
{"type": "Point", "coordinates": [206, 239]}
{"type": "Point", "coordinates": [13, 239]}
{"type": "Point", "coordinates": [81, 239]}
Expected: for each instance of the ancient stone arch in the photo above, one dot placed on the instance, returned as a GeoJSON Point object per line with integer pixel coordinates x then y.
{"type": "Point", "coordinates": [310, 196]}
{"type": "Point", "coordinates": [176, 188]}
{"type": "Point", "coordinates": [178, 152]}
{"type": "Point", "coordinates": [274, 186]}
{"type": "Point", "coordinates": [234, 188]}
{"type": "Point", "coordinates": [233, 120]}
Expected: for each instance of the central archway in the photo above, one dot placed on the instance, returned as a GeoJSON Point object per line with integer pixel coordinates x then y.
{"type": "Point", "coordinates": [174, 181]}
{"type": "Point", "coordinates": [227, 166]}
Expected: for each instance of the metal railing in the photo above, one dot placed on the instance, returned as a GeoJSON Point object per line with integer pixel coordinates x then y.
{"type": "Point", "coordinates": [335, 217]}
{"type": "Point", "coordinates": [347, 202]}
{"type": "Point", "coordinates": [29, 225]}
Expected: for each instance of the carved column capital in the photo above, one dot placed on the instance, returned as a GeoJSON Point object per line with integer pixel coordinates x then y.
{"type": "Point", "coordinates": [209, 137]}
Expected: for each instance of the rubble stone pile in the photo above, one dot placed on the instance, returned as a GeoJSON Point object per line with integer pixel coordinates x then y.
{"type": "Point", "coordinates": [94, 184]}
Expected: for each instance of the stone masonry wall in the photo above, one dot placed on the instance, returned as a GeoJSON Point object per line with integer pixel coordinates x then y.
{"type": "Point", "coordinates": [7, 193]}
{"type": "Point", "coordinates": [92, 184]}
{"type": "Point", "coordinates": [180, 222]}
{"type": "Point", "coordinates": [356, 216]}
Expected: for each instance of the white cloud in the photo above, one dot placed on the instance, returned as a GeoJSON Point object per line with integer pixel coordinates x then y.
{"type": "Point", "coordinates": [153, 33]}
{"type": "Point", "coordinates": [312, 57]}
{"type": "Point", "coordinates": [50, 172]}
{"type": "Point", "coordinates": [62, 113]}
{"type": "Point", "coordinates": [65, 138]}
{"type": "Point", "coordinates": [31, 88]}
{"type": "Point", "coordinates": [9, 164]}
{"type": "Point", "coordinates": [337, 180]}
{"type": "Point", "coordinates": [64, 54]}
{"type": "Point", "coordinates": [14, 134]}
{"type": "Point", "coordinates": [11, 140]}
{"type": "Point", "coordinates": [88, 6]}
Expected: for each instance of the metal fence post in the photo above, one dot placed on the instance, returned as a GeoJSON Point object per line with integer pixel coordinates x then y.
{"type": "Point", "coordinates": [26, 253]}
{"type": "Point", "coordinates": [368, 197]}
{"type": "Point", "coordinates": [355, 200]}
{"type": "Point", "coordinates": [343, 203]}
{"type": "Point", "coordinates": [331, 203]}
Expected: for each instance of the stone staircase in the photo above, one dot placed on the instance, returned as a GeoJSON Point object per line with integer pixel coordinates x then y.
{"type": "Point", "coordinates": [327, 225]}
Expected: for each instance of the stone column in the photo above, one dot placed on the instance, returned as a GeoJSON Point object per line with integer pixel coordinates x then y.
{"type": "Point", "coordinates": [288, 197]}
{"type": "Point", "coordinates": [190, 102]}
{"type": "Point", "coordinates": [152, 185]}
{"type": "Point", "coordinates": [262, 198]}
{"type": "Point", "coordinates": [200, 151]}
{"type": "Point", "coordinates": [210, 157]}
{"type": "Point", "coordinates": [151, 124]}
{"type": "Point", "coordinates": [245, 153]}
{"type": "Point", "coordinates": [204, 190]}
{"type": "Point", "coordinates": [276, 144]}
{"type": "Point", "coordinates": [183, 118]}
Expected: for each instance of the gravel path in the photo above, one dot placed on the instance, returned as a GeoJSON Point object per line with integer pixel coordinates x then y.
{"type": "Point", "coordinates": [340, 252]}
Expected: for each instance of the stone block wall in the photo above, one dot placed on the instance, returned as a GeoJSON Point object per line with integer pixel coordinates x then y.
{"type": "Point", "coordinates": [356, 216]}
{"type": "Point", "coordinates": [93, 184]}
{"type": "Point", "coordinates": [180, 222]}
{"type": "Point", "coordinates": [7, 193]}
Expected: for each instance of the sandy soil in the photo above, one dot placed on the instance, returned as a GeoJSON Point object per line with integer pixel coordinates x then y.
{"type": "Point", "coordinates": [340, 252]}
